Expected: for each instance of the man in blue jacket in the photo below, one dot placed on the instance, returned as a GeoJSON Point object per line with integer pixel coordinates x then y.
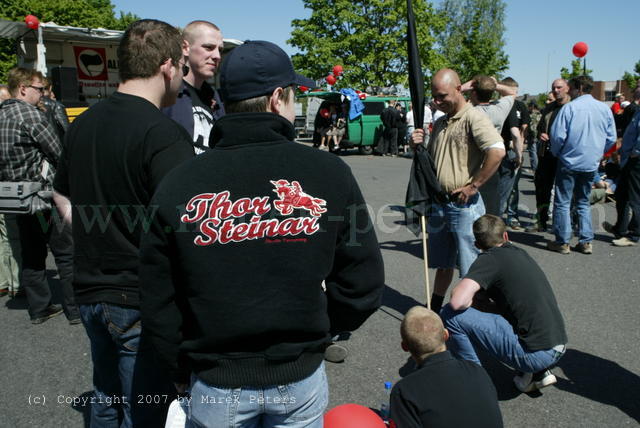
{"type": "Point", "coordinates": [583, 130]}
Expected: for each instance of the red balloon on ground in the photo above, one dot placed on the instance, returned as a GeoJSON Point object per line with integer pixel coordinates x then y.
{"type": "Point", "coordinates": [331, 79]}
{"type": "Point", "coordinates": [580, 49]}
{"type": "Point", "coordinates": [362, 96]}
{"type": "Point", "coordinates": [32, 21]}
{"type": "Point", "coordinates": [352, 416]}
{"type": "Point", "coordinates": [337, 70]}
{"type": "Point", "coordinates": [324, 113]}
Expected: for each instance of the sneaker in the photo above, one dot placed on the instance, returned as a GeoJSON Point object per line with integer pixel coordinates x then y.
{"type": "Point", "coordinates": [558, 248]}
{"type": "Point", "coordinates": [610, 228]}
{"type": "Point", "coordinates": [536, 227]}
{"type": "Point", "coordinates": [50, 312]}
{"type": "Point", "coordinates": [75, 321]}
{"type": "Point", "coordinates": [529, 382]}
{"type": "Point", "coordinates": [514, 224]}
{"type": "Point", "coordinates": [335, 353]}
{"type": "Point", "coordinates": [624, 242]}
{"type": "Point", "coordinates": [584, 248]}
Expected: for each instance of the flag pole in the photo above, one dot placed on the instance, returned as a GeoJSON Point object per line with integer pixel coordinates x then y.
{"type": "Point", "coordinates": [423, 224]}
{"type": "Point", "coordinates": [416, 86]}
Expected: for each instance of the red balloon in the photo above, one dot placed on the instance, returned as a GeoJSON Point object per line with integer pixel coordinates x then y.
{"type": "Point", "coordinates": [324, 113]}
{"type": "Point", "coordinates": [331, 79]}
{"type": "Point", "coordinates": [337, 70]}
{"type": "Point", "coordinates": [32, 21]}
{"type": "Point", "coordinates": [352, 416]}
{"type": "Point", "coordinates": [358, 91]}
{"type": "Point", "coordinates": [580, 49]}
{"type": "Point", "coordinates": [303, 88]}
{"type": "Point", "coordinates": [362, 96]}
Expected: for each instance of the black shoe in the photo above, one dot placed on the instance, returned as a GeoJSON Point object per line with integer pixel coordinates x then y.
{"type": "Point", "coordinates": [611, 228]}
{"type": "Point", "coordinates": [335, 353]}
{"type": "Point", "coordinates": [50, 312]}
{"type": "Point", "coordinates": [75, 321]}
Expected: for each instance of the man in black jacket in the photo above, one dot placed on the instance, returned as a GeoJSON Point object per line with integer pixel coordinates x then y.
{"type": "Point", "coordinates": [443, 391]}
{"type": "Point", "coordinates": [245, 234]}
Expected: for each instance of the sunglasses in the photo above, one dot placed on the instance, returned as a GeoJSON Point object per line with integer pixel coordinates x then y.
{"type": "Point", "coordinates": [38, 88]}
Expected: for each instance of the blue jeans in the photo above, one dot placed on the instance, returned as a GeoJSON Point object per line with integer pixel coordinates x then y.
{"type": "Point", "coordinates": [471, 328]}
{"type": "Point", "coordinates": [451, 240]}
{"type": "Point", "coordinates": [295, 405]}
{"type": "Point", "coordinates": [507, 174]}
{"type": "Point", "coordinates": [572, 185]}
{"type": "Point", "coordinates": [514, 199]}
{"type": "Point", "coordinates": [532, 149]}
{"type": "Point", "coordinates": [130, 391]}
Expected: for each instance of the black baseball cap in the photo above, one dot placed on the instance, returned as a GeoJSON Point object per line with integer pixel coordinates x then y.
{"type": "Point", "coordinates": [256, 68]}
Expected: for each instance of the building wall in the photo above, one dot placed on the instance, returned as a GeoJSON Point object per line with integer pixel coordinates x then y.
{"type": "Point", "coordinates": [606, 90]}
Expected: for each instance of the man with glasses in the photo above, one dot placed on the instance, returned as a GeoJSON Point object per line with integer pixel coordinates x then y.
{"type": "Point", "coordinates": [29, 152]}
{"type": "Point", "coordinates": [198, 105]}
{"type": "Point", "coordinates": [115, 155]}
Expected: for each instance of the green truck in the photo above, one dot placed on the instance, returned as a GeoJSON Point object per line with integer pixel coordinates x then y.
{"type": "Point", "coordinates": [365, 130]}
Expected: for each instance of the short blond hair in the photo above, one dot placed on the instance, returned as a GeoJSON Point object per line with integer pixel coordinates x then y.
{"type": "Point", "coordinates": [422, 332]}
{"type": "Point", "coordinates": [190, 32]}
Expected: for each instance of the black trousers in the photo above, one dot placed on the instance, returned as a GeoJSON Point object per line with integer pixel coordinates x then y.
{"type": "Point", "coordinates": [389, 141]}
{"type": "Point", "coordinates": [543, 180]}
{"type": "Point", "coordinates": [36, 231]}
{"type": "Point", "coordinates": [628, 200]}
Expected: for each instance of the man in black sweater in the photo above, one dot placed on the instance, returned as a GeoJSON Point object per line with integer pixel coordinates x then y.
{"type": "Point", "coordinates": [442, 392]}
{"type": "Point", "coordinates": [245, 234]}
{"type": "Point", "coordinates": [524, 329]}
{"type": "Point", "coordinates": [115, 155]}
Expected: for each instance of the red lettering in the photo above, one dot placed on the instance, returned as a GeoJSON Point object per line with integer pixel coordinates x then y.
{"type": "Point", "coordinates": [220, 206]}
{"type": "Point", "coordinates": [261, 206]}
{"type": "Point", "coordinates": [198, 204]}
{"type": "Point", "coordinates": [209, 233]}
{"type": "Point", "coordinates": [241, 207]}
{"type": "Point", "coordinates": [240, 232]}
{"type": "Point", "coordinates": [225, 231]}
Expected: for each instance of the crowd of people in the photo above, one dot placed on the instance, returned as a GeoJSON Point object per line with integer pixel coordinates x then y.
{"type": "Point", "coordinates": [175, 207]}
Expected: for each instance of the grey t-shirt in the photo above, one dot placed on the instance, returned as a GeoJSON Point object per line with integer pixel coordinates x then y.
{"type": "Point", "coordinates": [498, 110]}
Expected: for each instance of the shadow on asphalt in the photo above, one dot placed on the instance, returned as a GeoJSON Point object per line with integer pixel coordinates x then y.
{"type": "Point", "coordinates": [398, 301]}
{"type": "Point", "coordinates": [85, 397]}
{"type": "Point", "coordinates": [535, 240]}
{"type": "Point", "coordinates": [413, 247]}
{"type": "Point", "coordinates": [600, 380]}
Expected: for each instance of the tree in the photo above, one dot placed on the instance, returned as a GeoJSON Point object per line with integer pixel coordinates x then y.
{"type": "Point", "coordinates": [366, 37]}
{"type": "Point", "coordinates": [633, 79]}
{"type": "Point", "coordinates": [77, 13]}
{"type": "Point", "coordinates": [472, 42]}
{"type": "Point", "coordinates": [576, 70]}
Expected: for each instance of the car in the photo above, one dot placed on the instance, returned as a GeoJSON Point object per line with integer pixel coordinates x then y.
{"type": "Point", "coordinates": [363, 131]}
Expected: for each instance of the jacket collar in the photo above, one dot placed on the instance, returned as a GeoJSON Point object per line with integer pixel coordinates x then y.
{"type": "Point", "coordinates": [436, 359]}
{"type": "Point", "coordinates": [249, 128]}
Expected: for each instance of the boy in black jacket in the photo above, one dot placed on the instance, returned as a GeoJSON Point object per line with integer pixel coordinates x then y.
{"type": "Point", "coordinates": [442, 392]}
{"type": "Point", "coordinates": [244, 236]}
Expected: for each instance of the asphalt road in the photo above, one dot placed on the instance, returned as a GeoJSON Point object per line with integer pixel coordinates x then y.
{"type": "Point", "coordinates": [46, 367]}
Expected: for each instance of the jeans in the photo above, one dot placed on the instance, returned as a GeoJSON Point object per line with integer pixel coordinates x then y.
{"type": "Point", "coordinates": [514, 199]}
{"type": "Point", "coordinates": [572, 185]}
{"type": "Point", "coordinates": [628, 200]}
{"type": "Point", "coordinates": [130, 391]}
{"type": "Point", "coordinates": [295, 405]}
{"type": "Point", "coordinates": [451, 240]}
{"type": "Point", "coordinates": [470, 328]}
{"type": "Point", "coordinates": [36, 231]}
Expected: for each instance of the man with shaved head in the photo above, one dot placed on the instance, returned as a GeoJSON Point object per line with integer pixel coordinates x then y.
{"type": "Point", "coordinates": [547, 162]}
{"type": "Point", "coordinates": [443, 391]}
{"type": "Point", "coordinates": [466, 149]}
{"type": "Point", "coordinates": [198, 105]}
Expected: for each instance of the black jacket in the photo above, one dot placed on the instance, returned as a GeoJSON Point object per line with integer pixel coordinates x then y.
{"type": "Point", "coordinates": [232, 270]}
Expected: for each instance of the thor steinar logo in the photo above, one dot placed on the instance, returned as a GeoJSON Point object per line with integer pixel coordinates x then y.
{"type": "Point", "coordinates": [218, 214]}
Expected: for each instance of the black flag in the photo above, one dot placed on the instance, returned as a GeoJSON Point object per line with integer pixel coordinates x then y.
{"type": "Point", "coordinates": [424, 188]}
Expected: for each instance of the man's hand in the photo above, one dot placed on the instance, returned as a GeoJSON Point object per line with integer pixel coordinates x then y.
{"type": "Point", "coordinates": [417, 137]}
{"type": "Point", "coordinates": [544, 137]}
{"type": "Point", "coordinates": [465, 193]}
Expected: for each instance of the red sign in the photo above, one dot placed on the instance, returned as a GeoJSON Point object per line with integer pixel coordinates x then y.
{"type": "Point", "coordinates": [91, 63]}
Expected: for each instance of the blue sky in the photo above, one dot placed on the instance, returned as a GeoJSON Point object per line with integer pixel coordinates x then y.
{"type": "Point", "coordinates": [539, 35]}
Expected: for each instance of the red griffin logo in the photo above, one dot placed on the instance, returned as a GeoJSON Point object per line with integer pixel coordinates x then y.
{"type": "Point", "coordinates": [291, 196]}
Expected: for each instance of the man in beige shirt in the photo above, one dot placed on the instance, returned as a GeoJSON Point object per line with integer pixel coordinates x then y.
{"type": "Point", "coordinates": [466, 149]}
